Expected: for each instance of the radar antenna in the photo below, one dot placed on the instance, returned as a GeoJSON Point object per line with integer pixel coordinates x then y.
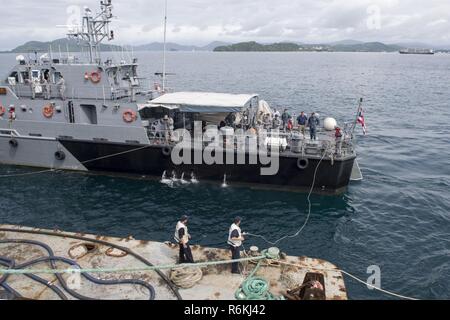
{"type": "Point", "coordinates": [94, 29]}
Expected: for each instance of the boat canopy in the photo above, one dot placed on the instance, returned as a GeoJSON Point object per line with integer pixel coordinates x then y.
{"type": "Point", "coordinates": [203, 102]}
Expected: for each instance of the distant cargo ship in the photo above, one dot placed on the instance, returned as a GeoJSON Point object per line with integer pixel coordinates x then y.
{"type": "Point", "coordinates": [417, 51]}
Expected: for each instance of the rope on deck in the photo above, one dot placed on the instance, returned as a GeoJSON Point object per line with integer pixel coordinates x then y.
{"type": "Point", "coordinates": [124, 270]}
{"type": "Point", "coordinates": [353, 277]}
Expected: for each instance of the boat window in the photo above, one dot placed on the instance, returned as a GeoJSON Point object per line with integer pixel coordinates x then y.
{"type": "Point", "coordinates": [46, 74]}
{"type": "Point", "coordinates": [35, 75]}
{"type": "Point", "coordinates": [25, 76]}
{"type": "Point", "coordinates": [56, 77]}
{"type": "Point", "coordinates": [14, 75]}
{"type": "Point", "coordinates": [88, 113]}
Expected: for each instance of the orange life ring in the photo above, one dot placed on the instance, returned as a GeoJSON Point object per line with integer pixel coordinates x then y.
{"type": "Point", "coordinates": [2, 110]}
{"type": "Point", "coordinates": [129, 116]}
{"type": "Point", "coordinates": [96, 77]}
{"type": "Point", "coordinates": [47, 111]}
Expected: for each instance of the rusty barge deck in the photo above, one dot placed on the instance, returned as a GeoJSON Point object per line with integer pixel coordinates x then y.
{"type": "Point", "coordinates": [19, 245]}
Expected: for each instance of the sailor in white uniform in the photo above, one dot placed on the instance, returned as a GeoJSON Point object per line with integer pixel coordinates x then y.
{"type": "Point", "coordinates": [235, 238]}
{"type": "Point", "coordinates": [182, 237]}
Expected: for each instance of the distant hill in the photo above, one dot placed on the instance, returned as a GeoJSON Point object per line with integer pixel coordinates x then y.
{"type": "Point", "coordinates": [72, 45]}
{"type": "Point", "coordinates": [159, 46]}
{"type": "Point", "coordinates": [344, 46]}
{"type": "Point", "coordinates": [40, 46]}
{"type": "Point", "coordinates": [254, 46]}
{"type": "Point", "coordinates": [367, 47]}
{"type": "Point", "coordinates": [339, 46]}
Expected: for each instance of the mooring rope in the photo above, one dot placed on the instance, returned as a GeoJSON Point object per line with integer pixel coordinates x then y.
{"type": "Point", "coordinates": [137, 269]}
{"type": "Point", "coordinates": [27, 173]}
{"type": "Point", "coordinates": [351, 276]}
{"type": "Point", "coordinates": [309, 210]}
{"type": "Point", "coordinates": [83, 162]}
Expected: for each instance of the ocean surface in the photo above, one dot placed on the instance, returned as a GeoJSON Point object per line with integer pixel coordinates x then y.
{"type": "Point", "coordinates": [397, 218]}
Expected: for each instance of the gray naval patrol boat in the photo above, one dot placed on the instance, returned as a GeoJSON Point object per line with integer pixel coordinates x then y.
{"type": "Point", "coordinates": [67, 114]}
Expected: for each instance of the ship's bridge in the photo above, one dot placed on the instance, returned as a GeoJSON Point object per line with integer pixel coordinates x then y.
{"type": "Point", "coordinates": [46, 78]}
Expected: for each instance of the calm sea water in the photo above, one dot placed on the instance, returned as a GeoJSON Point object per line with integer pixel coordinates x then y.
{"type": "Point", "coordinates": [398, 218]}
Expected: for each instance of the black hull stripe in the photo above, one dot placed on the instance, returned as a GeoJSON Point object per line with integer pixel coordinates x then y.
{"type": "Point", "coordinates": [331, 177]}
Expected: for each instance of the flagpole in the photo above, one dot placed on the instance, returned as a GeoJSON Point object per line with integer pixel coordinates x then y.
{"type": "Point", "coordinates": [165, 43]}
{"type": "Point", "coordinates": [357, 115]}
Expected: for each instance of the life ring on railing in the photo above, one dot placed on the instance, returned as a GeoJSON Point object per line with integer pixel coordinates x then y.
{"type": "Point", "coordinates": [48, 111]}
{"type": "Point", "coordinates": [2, 110]}
{"type": "Point", "coordinates": [96, 77]}
{"type": "Point", "coordinates": [302, 163]}
{"type": "Point", "coordinates": [129, 116]}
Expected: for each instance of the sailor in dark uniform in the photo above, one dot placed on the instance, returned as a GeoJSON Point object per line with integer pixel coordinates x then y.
{"type": "Point", "coordinates": [235, 238]}
{"type": "Point", "coordinates": [182, 237]}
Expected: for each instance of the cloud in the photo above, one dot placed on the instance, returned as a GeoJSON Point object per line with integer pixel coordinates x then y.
{"type": "Point", "coordinates": [201, 21]}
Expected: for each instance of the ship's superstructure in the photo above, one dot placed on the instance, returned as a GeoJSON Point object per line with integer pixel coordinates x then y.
{"type": "Point", "coordinates": [99, 115]}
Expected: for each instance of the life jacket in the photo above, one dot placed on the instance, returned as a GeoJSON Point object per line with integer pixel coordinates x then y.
{"type": "Point", "coordinates": [232, 242]}
{"type": "Point", "coordinates": [180, 225]}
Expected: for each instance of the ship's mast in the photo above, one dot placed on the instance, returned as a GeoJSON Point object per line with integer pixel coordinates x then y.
{"type": "Point", "coordinates": [165, 47]}
{"type": "Point", "coordinates": [94, 29]}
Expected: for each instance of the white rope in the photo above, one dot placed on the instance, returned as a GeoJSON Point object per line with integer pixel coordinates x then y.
{"type": "Point", "coordinates": [84, 162]}
{"type": "Point", "coordinates": [353, 277]}
{"type": "Point", "coordinates": [116, 154]}
{"type": "Point", "coordinates": [27, 173]}
{"type": "Point", "coordinates": [309, 210]}
{"type": "Point", "coordinates": [376, 288]}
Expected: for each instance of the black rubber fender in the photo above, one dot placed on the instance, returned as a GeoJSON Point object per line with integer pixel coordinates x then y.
{"type": "Point", "coordinates": [303, 163]}
{"type": "Point", "coordinates": [13, 143]}
{"type": "Point", "coordinates": [60, 155]}
{"type": "Point", "coordinates": [166, 151]}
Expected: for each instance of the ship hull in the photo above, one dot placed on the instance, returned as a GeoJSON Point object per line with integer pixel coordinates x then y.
{"type": "Point", "coordinates": [332, 177]}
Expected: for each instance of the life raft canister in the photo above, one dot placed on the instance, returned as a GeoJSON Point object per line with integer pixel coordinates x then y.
{"type": "Point", "coordinates": [2, 110]}
{"type": "Point", "coordinates": [129, 116]}
{"type": "Point", "coordinates": [47, 111]}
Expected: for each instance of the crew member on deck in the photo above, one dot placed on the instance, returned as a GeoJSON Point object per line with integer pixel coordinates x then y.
{"type": "Point", "coordinates": [313, 123]}
{"type": "Point", "coordinates": [285, 118]}
{"type": "Point", "coordinates": [168, 127]}
{"type": "Point", "coordinates": [235, 238]}
{"type": "Point", "coordinates": [62, 88]}
{"type": "Point", "coordinates": [301, 120]}
{"type": "Point", "coordinates": [182, 237]}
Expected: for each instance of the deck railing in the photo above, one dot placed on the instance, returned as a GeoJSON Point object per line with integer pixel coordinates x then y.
{"type": "Point", "coordinates": [287, 142]}
{"type": "Point", "coordinates": [77, 92]}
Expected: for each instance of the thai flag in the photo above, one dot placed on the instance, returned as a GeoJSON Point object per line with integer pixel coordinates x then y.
{"type": "Point", "coordinates": [362, 121]}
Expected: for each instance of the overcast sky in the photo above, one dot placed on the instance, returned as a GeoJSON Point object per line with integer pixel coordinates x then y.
{"type": "Point", "coordinates": [203, 21]}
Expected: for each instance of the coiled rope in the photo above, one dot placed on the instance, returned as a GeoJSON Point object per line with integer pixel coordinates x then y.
{"type": "Point", "coordinates": [254, 288]}
{"type": "Point", "coordinates": [186, 277]}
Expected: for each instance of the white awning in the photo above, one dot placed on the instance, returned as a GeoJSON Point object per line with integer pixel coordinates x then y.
{"type": "Point", "coordinates": [205, 102]}
{"type": "Point", "coordinates": [156, 106]}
